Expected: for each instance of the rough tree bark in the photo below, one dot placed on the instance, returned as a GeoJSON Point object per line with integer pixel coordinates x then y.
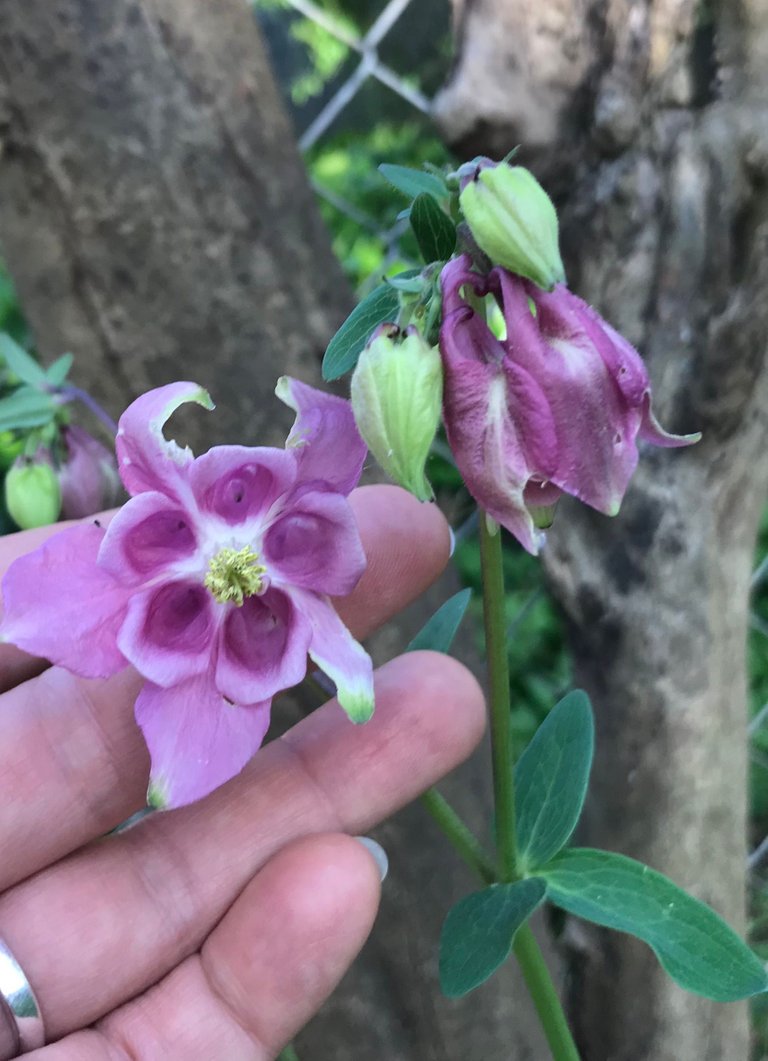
{"type": "Point", "coordinates": [157, 220]}
{"type": "Point", "coordinates": [154, 210]}
{"type": "Point", "coordinates": [649, 120]}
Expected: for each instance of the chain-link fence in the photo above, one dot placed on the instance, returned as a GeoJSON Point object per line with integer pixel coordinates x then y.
{"type": "Point", "coordinates": [346, 91]}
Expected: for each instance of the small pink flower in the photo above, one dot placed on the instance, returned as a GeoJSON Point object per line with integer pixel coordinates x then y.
{"type": "Point", "coordinates": [557, 406]}
{"type": "Point", "coordinates": [213, 581]}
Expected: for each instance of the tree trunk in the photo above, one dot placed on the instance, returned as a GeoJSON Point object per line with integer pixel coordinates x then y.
{"type": "Point", "coordinates": [154, 210]}
{"type": "Point", "coordinates": [157, 220]}
{"type": "Point", "coordinates": [650, 122]}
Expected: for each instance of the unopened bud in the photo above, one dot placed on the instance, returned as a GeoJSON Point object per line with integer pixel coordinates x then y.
{"type": "Point", "coordinates": [11, 446]}
{"type": "Point", "coordinates": [396, 391]}
{"type": "Point", "coordinates": [88, 477]}
{"type": "Point", "coordinates": [513, 221]}
{"type": "Point", "coordinates": [32, 494]}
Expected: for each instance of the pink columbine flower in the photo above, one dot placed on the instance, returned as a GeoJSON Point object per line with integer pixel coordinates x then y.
{"type": "Point", "coordinates": [557, 406]}
{"type": "Point", "coordinates": [213, 581]}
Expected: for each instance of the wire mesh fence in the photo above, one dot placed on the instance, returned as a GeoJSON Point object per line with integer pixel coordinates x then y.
{"type": "Point", "coordinates": [348, 63]}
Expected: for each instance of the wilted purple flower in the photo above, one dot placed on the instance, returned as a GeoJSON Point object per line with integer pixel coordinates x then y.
{"type": "Point", "coordinates": [88, 477]}
{"type": "Point", "coordinates": [213, 581]}
{"type": "Point", "coordinates": [558, 405]}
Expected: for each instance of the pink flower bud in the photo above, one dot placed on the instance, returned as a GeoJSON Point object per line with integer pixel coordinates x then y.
{"type": "Point", "coordinates": [88, 477]}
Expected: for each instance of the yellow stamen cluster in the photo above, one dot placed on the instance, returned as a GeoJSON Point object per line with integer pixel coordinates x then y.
{"type": "Point", "coordinates": [234, 575]}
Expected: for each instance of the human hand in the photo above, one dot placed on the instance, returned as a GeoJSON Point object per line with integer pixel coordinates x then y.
{"type": "Point", "coordinates": [213, 931]}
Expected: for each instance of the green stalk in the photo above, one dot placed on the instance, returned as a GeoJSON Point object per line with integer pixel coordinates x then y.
{"type": "Point", "coordinates": [544, 995]}
{"type": "Point", "coordinates": [288, 1054]}
{"type": "Point", "coordinates": [466, 843]}
{"type": "Point", "coordinates": [500, 708]}
{"type": "Point", "coordinates": [527, 951]}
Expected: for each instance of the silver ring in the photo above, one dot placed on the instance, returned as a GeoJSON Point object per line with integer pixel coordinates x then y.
{"type": "Point", "coordinates": [19, 1007]}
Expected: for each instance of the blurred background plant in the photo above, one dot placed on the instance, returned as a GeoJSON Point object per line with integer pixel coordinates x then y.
{"type": "Point", "coordinates": [50, 467]}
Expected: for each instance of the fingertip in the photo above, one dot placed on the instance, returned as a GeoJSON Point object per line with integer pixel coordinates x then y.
{"type": "Point", "coordinates": [293, 933]}
{"type": "Point", "coordinates": [407, 543]}
{"type": "Point", "coordinates": [446, 683]}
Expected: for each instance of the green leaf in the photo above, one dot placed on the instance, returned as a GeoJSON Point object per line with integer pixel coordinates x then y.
{"type": "Point", "coordinates": [26, 408]}
{"type": "Point", "coordinates": [57, 372]}
{"type": "Point", "coordinates": [698, 950]}
{"type": "Point", "coordinates": [551, 779]}
{"type": "Point", "coordinates": [438, 633]}
{"type": "Point", "coordinates": [479, 931]}
{"type": "Point", "coordinates": [411, 281]}
{"type": "Point", "coordinates": [20, 363]}
{"type": "Point", "coordinates": [434, 230]}
{"type": "Point", "coordinates": [344, 349]}
{"type": "Point", "coordinates": [414, 182]}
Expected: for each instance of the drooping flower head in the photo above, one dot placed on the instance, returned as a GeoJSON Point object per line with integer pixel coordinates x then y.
{"type": "Point", "coordinates": [213, 581]}
{"type": "Point", "coordinates": [555, 406]}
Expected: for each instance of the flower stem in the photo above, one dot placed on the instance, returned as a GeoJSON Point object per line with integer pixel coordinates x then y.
{"type": "Point", "coordinates": [544, 995]}
{"type": "Point", "coordinates": [465, 842]}
{"type": "Point", "coordinates": [527, 951]}
{"type": "Point", "coordinates": [288, 1054]}
{"type": "Point", "coordinates": [498, 681]}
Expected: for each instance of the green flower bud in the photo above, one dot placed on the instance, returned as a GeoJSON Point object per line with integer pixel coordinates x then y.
{"type": "Point", "coordinates": [397, 391]}
{"type": "Point", "coordinates": [11, 445]}
{"type": "Point", "coordinates": [513, 221]}
{"type": "Point", "coordinates": [32, 492]}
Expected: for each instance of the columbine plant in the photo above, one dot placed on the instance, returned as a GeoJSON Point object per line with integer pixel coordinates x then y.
{"type": "Point", "coordinates": [540, 397]}
{"type": "Point", "coordinates": [213, 581]}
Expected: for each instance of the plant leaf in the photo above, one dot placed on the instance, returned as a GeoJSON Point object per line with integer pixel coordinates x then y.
{"type": "Point", "coordinates": [438, 633]}
{"type": "Point", "coordinates": [698, 949]}
{"type": "Point", "coordinates": [20, 363]}
{"type": "Point", "coordinates": [435, 232]}
{"type": "Point", "coordinates": [57, 372]}
{"type": "Point", "coordinates": [25, 408]}
{"type": "Point", "coordinates": [551, 779]}
{"type": "Point", "coordinates": [411, 281]}
{"type": "Point", "coordinates": [380, 305]}
{"type": "Point", "coordinates": [479, 931]}
{"type": "Point", "coordinates": [414, 182]}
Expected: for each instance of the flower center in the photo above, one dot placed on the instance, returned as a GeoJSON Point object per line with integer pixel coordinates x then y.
{"type": "Point", "coordinates": [234, 574]}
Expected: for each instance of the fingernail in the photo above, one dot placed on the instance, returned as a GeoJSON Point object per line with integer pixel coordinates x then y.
{"type": "Point", "coordinates": [378, 852]}
{"type": "Point", "coordinates": [453, 541]}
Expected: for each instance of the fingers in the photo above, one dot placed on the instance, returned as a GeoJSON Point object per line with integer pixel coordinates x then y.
{"type": "Point", "coordinates": [101, 926]}
{"type": "Point", "coordinates": [262, 973]}
{"type": "Point", "coordinates": [406, 542]}
{"type": "Point", "coordinates": [70, 743]}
